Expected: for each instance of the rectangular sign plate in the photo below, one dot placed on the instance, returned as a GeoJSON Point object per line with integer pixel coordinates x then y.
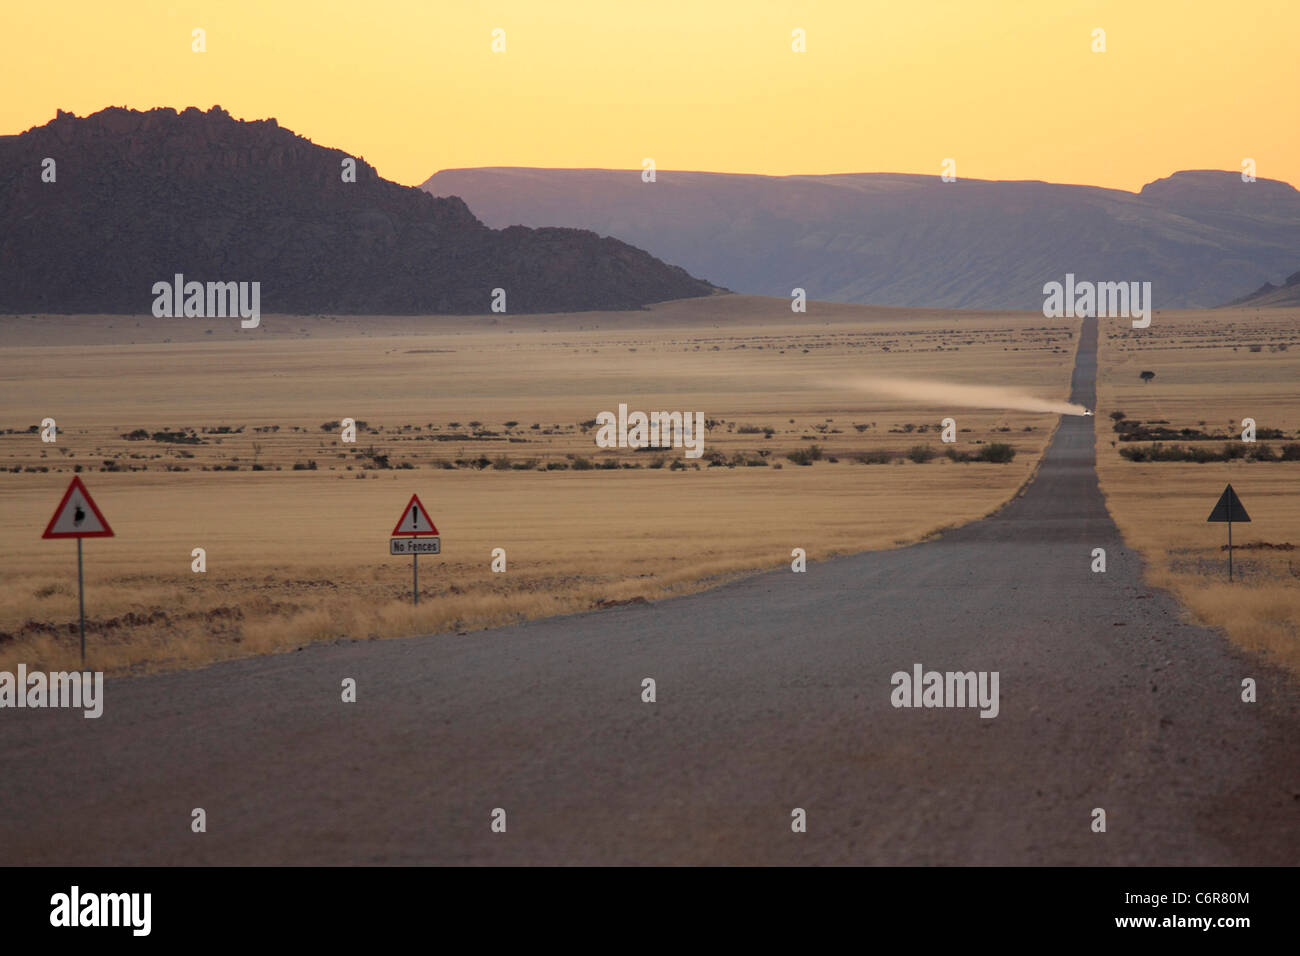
{"type": "Point", "coordinates": [414, 545]}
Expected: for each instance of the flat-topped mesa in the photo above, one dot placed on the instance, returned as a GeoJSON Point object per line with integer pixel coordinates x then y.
{"type": "Point", "coordinates": [95, 210]}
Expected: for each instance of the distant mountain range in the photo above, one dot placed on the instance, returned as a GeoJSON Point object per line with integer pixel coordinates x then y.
{"type": "Point", "coordinates": [138, 197]}
{"type": "Point", "coordinates": [1201, 238]}
{"type": "Point", "coordinates": [1274, 296]}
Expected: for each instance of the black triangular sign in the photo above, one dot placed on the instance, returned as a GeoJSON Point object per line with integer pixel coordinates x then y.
{"type": "Point", "coordinates": [1229, 508]}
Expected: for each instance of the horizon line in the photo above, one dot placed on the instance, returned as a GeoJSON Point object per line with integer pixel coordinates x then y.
{"type": "Point", "coordinates": [959, 179]}
{"type": "Point", "coordinates": [275, 120]}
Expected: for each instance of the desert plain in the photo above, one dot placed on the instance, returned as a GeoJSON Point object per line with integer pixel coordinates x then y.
{"type": "Point", "coordinates": [194, 433]}
{"type": "Point", "coordinates": [1213, 369]}
{"type": "Point", "coordinates": [198, 434]}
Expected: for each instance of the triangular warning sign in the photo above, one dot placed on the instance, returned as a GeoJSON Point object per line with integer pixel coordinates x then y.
{"type": "Point", "coordinates": [1229, 508]}
{"type": "Point", "coordinates": [415, 520]}
{"type": "Point", "coordinates": [77, 516]}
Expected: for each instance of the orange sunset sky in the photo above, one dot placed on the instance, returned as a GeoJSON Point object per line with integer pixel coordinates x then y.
{"type": "Point", "coordinates": [1010, 89]}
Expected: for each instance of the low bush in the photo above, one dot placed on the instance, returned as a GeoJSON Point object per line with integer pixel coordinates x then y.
{"type": "Point", "coordinates": [874, 458]}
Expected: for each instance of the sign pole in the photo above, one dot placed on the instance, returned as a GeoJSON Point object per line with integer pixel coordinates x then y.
{"type": "Point", "coordinates": [415, 578]}
{"type": "Point", "coordinates": [81, 595]}
{"type": "Point", "coordinates": [1229, 549]}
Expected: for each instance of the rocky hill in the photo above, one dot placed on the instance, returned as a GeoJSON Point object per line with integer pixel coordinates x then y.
{"type": "Point", "coordinates": [1274, 296]}
{"type": "Point", "coordinates": [1200, 237]}
{"type": "Point", "coordinates": [138, 197]}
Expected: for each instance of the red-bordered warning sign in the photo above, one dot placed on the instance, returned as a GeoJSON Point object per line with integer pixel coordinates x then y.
{"type": "Point", "coordinates": [77, 516]}
{"type": "Point", "coordinates": [415, 520]}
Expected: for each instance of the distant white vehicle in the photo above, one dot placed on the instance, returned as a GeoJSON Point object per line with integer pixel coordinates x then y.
{"type": "Point", "coordinates": [1086, 412]}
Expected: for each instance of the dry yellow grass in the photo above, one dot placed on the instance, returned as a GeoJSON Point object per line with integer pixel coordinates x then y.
{"type": "Point", "coordinates": [295, 556]}
{"type": "Point", "coordinates": [1209, 379]}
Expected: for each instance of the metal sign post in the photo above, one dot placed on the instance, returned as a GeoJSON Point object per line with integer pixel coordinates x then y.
{"type": "Point", "coordinates": [81, 598]}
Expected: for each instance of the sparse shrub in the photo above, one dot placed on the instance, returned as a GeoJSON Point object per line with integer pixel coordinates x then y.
{"type": "Point", "coordinates": [582, 464]}
{"type": "Point", "coordinates": [1262, 452]}
{"type": "Point", "coordinates": [920, 453]}
{"type": "Point", "coordinates": [875, 458]}
{"type": "Point", "coordinates": [501, 463]}
{"type": "Point", "coordinates": [997, 452]}
{"type": "Point", "coordinates": [1197, 454]}
{"type": "Point", "coordinates": [177, 437]}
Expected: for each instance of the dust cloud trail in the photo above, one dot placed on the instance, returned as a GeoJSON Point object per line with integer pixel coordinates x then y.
{"type": "Point", "coordinates": [963, 396]}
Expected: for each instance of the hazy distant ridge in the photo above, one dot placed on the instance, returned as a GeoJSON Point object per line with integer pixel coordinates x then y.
{"type": "Point", "coordinates": [1201, 238]}
{"type": "Point", "coordinates": [1273, 296]}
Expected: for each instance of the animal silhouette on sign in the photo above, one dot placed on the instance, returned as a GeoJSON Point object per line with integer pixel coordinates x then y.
{"type": "Point", "coordinates": [78, 516]}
